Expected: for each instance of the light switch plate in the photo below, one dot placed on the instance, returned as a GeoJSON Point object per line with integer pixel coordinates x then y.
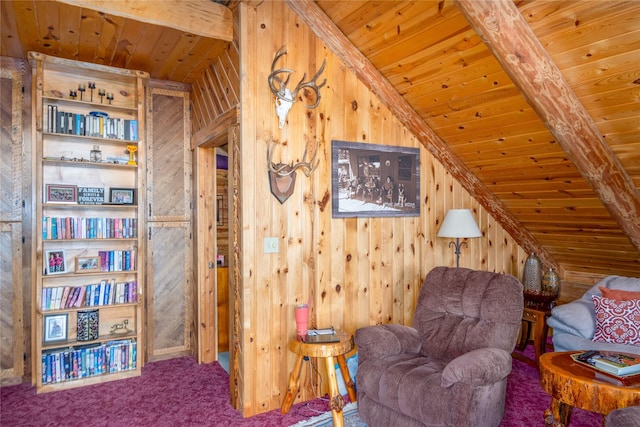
{"type": "Point", "coordinates": [271, 245]}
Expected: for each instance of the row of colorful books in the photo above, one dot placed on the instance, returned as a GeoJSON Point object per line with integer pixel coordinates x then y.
{"type": "Point", "coordinates": [87, 361]}
{"type": "Point", "coordinates": [96, 125]}
{"type": "Point", "coordinates": [117, 260]}
{"type": "Point", "coordinates": [58, 228]}
{"type": "Point", "coordinates": [107, 292]}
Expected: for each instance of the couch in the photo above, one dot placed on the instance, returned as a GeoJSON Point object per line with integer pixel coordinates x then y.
{"type": "Point", "coordinates": [574, 324]}
{"type": "Point", "coordinates": [450, 368]}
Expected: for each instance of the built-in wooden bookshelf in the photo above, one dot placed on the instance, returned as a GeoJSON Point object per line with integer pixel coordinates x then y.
{"type": "Point", "coordinates": [90, 169]}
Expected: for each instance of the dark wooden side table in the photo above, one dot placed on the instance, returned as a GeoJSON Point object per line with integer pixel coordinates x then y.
{"type": "Point", "coordinates": [536, 317]}
{"type": "Point", "coordinates": [572, 385]}
{"type": "Point", "coordinates": [329, 352]}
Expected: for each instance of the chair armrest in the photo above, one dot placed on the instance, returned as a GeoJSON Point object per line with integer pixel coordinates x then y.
{"type": "Point", "coordinates": [380, 341]}
{"type": "Point", "coordinates": [479, 367]}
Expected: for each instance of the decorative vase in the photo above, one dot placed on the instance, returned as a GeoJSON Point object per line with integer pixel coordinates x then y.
{"type": "Point", "coordinates": [551, 283]}
{"type": "Point", "coordinates": [532, 275]}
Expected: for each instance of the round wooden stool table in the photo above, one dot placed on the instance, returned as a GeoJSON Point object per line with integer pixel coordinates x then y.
{"type": "Point", "coordinates": [571, 384]}
{"type": "Point", "coordinates": [329, 352]}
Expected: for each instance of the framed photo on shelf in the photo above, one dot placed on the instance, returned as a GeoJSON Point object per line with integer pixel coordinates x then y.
{"type": "Point", "coordinates": [55, 327]}
{"type": "Point", "coordinates": [55, 262]}
{"type": "Point", "coordinates": [87, 264]}
{"type": "Point", "coordinates": [371, 180]}
{"type": "Point", "coordinates": [122, 196]}
{"type": "Point", "coordinates": [59, 193]}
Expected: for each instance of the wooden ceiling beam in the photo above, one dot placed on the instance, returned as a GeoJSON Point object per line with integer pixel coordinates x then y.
{"type": "Point", "coordinates": [370, 76]}
{"type": "Point", "coordinates": [512, 41]}
{"type": "Point", "coordinates": [200, 17]}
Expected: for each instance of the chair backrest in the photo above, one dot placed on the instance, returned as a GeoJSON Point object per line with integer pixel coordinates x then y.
{"type": "Point", "coordinates": [460, 310]}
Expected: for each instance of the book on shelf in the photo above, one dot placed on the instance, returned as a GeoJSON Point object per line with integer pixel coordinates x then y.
{"type": "Point", "coordinates": [612, 362]}
{"type": "Point", "coordinates": [107, 292]}
{"type": "Point", "coordinates": [93, 125]}
{"type": "Point", "coordinates": [85, 361]}
{"type": "Point", "coordinates": [60, 228]}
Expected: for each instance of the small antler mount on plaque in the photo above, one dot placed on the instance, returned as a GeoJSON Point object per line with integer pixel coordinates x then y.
{"type": "Point", "coordinates": [282, 176]}
{"type": "Point", "coordinates": [285, 97]}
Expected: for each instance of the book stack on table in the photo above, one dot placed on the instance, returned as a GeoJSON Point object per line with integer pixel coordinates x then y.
{"type": "Point", "coordinates": [620, 365]}
{"type": "Point", "coordinates": [321, 336]}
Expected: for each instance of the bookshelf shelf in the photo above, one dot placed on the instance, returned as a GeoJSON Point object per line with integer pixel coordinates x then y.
{"type": "Point", "coordinates": [82, 151]}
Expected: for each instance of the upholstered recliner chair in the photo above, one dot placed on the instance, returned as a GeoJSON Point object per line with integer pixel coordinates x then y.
{"type": "Point", "coordinates": [451, 367]}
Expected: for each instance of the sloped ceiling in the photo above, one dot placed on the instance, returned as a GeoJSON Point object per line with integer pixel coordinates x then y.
{"type": "Point", "coordinates": [567, 188]}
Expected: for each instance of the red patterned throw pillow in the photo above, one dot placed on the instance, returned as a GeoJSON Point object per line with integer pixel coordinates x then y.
{"type": "Point", "coordinates": [617, 322]}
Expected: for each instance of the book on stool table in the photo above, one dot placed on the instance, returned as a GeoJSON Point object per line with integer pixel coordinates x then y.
{"type": "Point", "coordinates": [321, 336]}
{"type": "Point", "coordinates": [621, 365]}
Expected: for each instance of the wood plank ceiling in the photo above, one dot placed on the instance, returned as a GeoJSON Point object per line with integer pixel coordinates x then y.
{"type": "Point", "coordinates": [430, 54]}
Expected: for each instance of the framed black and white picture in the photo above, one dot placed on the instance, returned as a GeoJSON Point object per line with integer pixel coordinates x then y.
{"type": "Point", "coordinates": [55, 327]}
{"type": "Point", "coordinates": [370, 180]}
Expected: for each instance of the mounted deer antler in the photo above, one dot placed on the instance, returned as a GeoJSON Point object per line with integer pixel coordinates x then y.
{"type": "Point", "coordinates": [282, 177]}
{"type": "Point", "coordinates": [282, 169]}
{"type": "Point", "coordinates": [284, 96]}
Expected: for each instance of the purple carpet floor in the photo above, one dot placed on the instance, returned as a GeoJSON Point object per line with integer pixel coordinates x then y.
{"type": "Point", "coordinates": [179, 392]}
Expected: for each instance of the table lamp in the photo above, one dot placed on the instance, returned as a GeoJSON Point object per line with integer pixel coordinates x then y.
{"type": "Point", "coordinates": [459, 223]}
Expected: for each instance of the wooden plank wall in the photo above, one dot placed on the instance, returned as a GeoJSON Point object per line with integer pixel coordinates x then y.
{"type": "Point", "coordinates": [355, 272]}
{"type": "Point", "coordinates": [217, 90]}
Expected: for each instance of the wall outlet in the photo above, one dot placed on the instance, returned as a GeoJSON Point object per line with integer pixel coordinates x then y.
{"type": "Point", "coordinates": [271, 245]}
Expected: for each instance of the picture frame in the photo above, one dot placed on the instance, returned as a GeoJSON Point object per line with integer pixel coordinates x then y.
{"type": "Point", "coordinates": [55, 327]}
{"type": "Point", "coordinates": [122, 196]}
{"type": "Point", "coordinates": [55, 262]}
{"type": "Point", "coordinates": [371, 180]}
{"type": "Point", "coordinates": [87, 264]}
{"type": "Point", "coordinates": [60, 193]}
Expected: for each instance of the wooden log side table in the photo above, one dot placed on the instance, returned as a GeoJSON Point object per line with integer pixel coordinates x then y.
{"type": "Point", "coordinates": [537, 317]}
{"type": "Point", "coordinates": [572, 385]}
{"type": "Point", "coordinates": [329, 352]}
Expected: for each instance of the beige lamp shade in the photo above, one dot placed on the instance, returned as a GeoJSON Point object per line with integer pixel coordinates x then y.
{"type": "Point", "coordinates": [459, 223]}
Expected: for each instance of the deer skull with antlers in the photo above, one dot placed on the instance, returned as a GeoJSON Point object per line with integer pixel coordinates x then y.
{"type": "Point", "coordinates": [282, 176]}
{"type": "Point", "coordinates": [286, 97]}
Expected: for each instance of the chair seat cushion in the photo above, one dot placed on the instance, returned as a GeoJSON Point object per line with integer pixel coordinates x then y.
{"type": "Point", "coordinates": [401, 382]}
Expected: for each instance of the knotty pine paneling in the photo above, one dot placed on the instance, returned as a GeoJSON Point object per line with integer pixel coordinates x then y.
{"type": "Point", "coordinates": [217, 89]}
{"type": "Point", "coordinates": [353, 271]}
{"type": "Point", "coordinates": [442, 68]}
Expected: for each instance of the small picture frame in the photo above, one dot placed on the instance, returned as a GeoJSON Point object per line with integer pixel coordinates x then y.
{"type": "Point", "coordinates": [87, 264]}
{"type": "Point", "coordinates": [55, 262]}
{"type": "Point", "coordinates": [58, 193]}
{"type": "Point", "coordinates": [122, 196]}
{"type": "Point", "coordinates": [55, 327]}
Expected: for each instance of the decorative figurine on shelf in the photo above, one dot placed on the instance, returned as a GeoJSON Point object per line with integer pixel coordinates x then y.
{"type": "Point", "coordinates": [96, 154]}
{"type": "Point", "coordinates": [102, 93]}
{"type": "Point", "coordinates": [132, 149]}
{"type": "Point", "coordinates": [92, 86]}
{"type": "Point", "coordinates": [81, 89]}
{"type": "Point", "coordinates": [110, 97]}
{"type": "Point", "coordinates": [120, 328]}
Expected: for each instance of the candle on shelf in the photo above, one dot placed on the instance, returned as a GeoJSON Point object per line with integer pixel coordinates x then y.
{"type": "Point", "coordinates": [81, 89]}
{"type": "Point", "coordinates": [101, 92]}
{"type": "Point", "coordinates": [92, 86]}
